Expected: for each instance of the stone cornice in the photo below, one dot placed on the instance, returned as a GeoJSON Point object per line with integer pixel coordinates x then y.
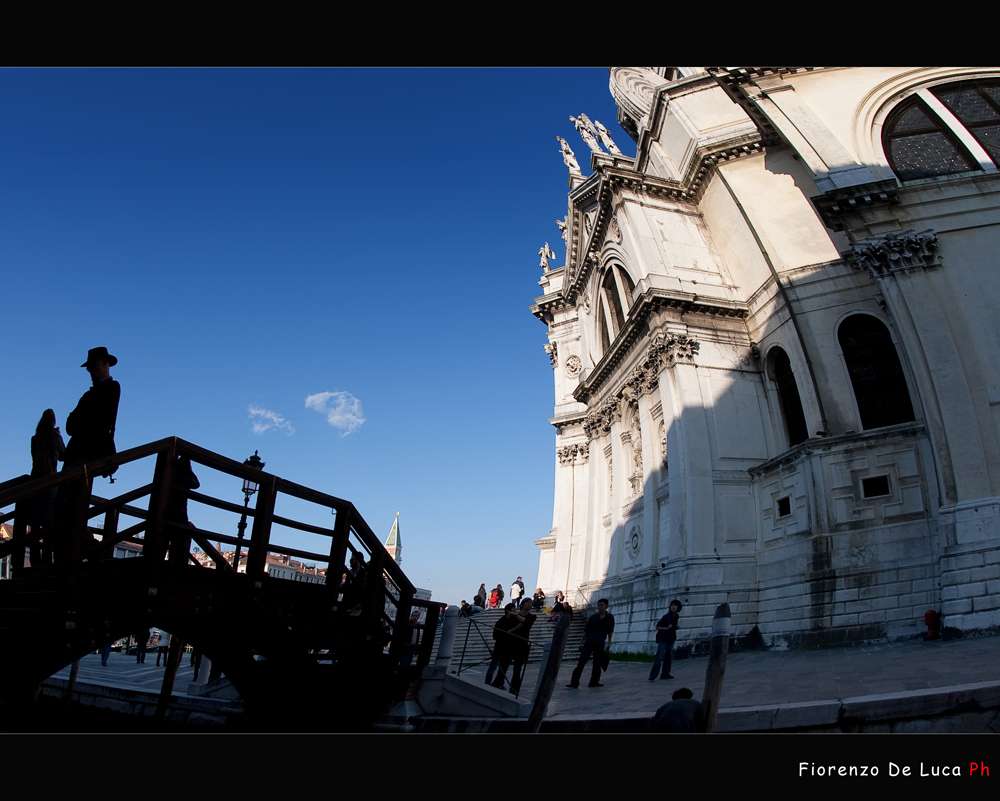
{"type": "Point", "coordinates": [664, 350]}
{"type": "Point", "coordinates": [652, 299]}
{"type": "Point", "coordinates": [735, 81]}
{"type": "Point", "coordinates": [852, 199]}
{"type": "Point", "coordinates": [547, 306]}
{"type": "Point", "coordinates": [617, 179]}
{"type": "Point", "coordinates": [567, 420]}
{"type": "Point", "coordinates": [861, 439]}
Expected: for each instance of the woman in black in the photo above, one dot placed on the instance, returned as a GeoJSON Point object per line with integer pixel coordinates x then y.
{"type": "Point", "coordinates": [47, 450]}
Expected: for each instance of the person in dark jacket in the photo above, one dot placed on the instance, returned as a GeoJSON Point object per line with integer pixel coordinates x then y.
{"type": "Point", "coordinates": [600, 627]}
{"type": "Point", "coordinates": [682, 714]}
{"type": "Point", "coordinates": [91, 425]}
{"type": "Point", "coordinates": [666, 635]}
{"type": "Point", "coordinates": [47, 450]}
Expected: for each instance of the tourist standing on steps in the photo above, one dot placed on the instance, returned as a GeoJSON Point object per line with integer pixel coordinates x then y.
{"type": "Point", "coordinates": [599, 628]}
{"type": "Point", "coordinates": [47, 450]}
{"type": "Point", "coordinates": [519, 645]}
{"type": "Point", "coordinates": [666, 635]}
{"type": "Point", "coordinates": [91, 425]}
{"type": "Point", "coordinates": [516, 590]}
{"type": "Point", "coordinates": [501, 644]}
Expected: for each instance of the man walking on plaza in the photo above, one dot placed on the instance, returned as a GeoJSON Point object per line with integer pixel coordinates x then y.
{"type": "Point", "coordinates": [599, 628]}
{"type": "Point", "coordinates": [666, 635]}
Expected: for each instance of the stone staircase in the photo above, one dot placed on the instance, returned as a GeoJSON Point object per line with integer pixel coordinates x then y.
{"type": "Point", "coordinates": [474, 638]}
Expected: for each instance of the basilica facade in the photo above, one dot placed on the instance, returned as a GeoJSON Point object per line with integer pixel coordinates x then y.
{"type": "Point", "coordinates": [776, 354]}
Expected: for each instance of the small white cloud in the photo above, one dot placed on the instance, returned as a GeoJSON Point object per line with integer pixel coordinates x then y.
{"type": "Point", "coordinates": [264, 419]}
{"type": "Point", "coordinates": [342, 410]}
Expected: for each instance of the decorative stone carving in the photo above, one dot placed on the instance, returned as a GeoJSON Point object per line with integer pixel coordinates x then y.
{"type": "Point", "coordinates": [587, 132]}
{"type": "Point", "coordinates": [569, 453]}
{"type": "Point", "coordinates": [569, 159]}
{"type": "Point", "coordinates": [881, 255]}
{"type": "Point", "coordinates": [616, 231]}
{"type": "Point", "coordinates": [667, 350]}
{"type": "Point", "coordinates": [633, 89]}
{"type": "Point", "coordinates": [574, 366]}
{"type": "Point", "coordinates": [552, 350]}
{"type": "Point", "coordinates": [605, 138]}
{"type": "Point", "coordinates": [637, 445]}
{"type": "Point", "coordinates": [586, 301]}
{"type": "Point", "coordinates": [563, 226]}
{"type": "Point", "coordinates": [546, 253]}
{"type": "Point", "coordinates": [634, 543]}
{"type": "Point", "coordinates": [599, 421]}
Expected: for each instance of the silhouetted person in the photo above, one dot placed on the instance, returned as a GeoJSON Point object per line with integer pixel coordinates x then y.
{"type": "Point", "coordinates": [91, 425]}
{"type": "Point", "coordinates": [354, 585]}
{"type": "Point", "coordinates": [47, 450]}
{"type": "Point", "coordinates": [184, 480]}
{"type": "Point", "coordinates": [682, 714]}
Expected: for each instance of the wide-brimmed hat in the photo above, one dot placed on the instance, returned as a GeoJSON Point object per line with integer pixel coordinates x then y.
{"type": "Point", "coordinates": [100, 353]}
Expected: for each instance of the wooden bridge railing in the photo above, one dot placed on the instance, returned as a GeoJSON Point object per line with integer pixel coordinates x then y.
{"type": "Point", "coordinates": [387, 595]}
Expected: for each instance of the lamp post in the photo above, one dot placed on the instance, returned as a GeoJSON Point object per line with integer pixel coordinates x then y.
{"type": "Point", "coordinates": [249, 488]}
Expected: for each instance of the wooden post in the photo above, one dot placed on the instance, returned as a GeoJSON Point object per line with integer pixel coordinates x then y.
{"type": "Point", "coordinates": [430, 634]}
{"type": "Point", "coordinates": [550, 673]}
{"type": "Point", "coordinates": [716, 669]}
{"type": "Point", "coordinates": [71, 684]}
{"type": "Point", "coordinates": [260, 535]}
{"type": "Point", "coordinates": [173, 661]}
{"type": "Point", "coordinates": [154, 544]}
{"type": "Point", "coordinates": [110, 529]}
{"type": "Point", "coordinates": [338, 551]}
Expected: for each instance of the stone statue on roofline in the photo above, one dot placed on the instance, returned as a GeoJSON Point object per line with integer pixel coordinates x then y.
{"type": "Point", "coordinates": [587, 131]}
{"type": "Point", "coordinates": [569, 159]}
{"type": "Point", "coordinates": [563, 226]}
{"type": "Point", "coordinates": [605, 138]}
{"type": "Point", "coordinates": [546, 253]}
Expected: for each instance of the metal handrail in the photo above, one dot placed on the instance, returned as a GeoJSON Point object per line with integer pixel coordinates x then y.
{"type": "Point", "coordinates": [531, 644]}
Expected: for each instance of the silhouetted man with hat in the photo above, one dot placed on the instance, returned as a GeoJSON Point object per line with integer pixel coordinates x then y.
{"type": "Point", "coordinates": [91, 425]}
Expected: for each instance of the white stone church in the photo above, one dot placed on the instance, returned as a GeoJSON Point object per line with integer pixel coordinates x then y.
{"type": "Point", "coordinates": [775, 341]}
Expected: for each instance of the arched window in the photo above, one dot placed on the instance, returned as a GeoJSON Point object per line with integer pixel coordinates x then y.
{"type": "Point", "coordinates": [780, 372]}
{"type": "Point", "coordinates": [944, 130]}
{"type": "Point", "coordinates": [615, 299]}
{"type": "Point", "coordinates": [876, 374]}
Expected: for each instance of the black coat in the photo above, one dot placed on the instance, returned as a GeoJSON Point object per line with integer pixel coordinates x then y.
{"type": "Point", "coordinates": [91, 425]}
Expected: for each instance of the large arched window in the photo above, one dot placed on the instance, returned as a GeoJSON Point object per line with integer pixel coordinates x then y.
{"type": "Point", "coordinates": [615, 299]}
{"type": "Point", "coordinates": [944, 130]}
{"type": "Point", "coordinates": [780, 372]}
{"type": "Point", "coordinates": [875, 371]}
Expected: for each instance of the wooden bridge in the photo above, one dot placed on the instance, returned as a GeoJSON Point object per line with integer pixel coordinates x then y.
{"type": "Point", "coordinates": [294, 650]}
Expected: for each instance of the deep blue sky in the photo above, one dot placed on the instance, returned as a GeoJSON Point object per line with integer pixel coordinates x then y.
{"type": "Point", "coordinates": [244, 239]}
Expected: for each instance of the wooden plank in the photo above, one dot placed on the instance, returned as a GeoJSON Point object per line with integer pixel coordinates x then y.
{"type": "Point", "coordinates": [227, 506]}
{"type": "Point", "coordinates": [210, 549]}
{"type": "Point", "coordinates": [306, 494]}
{"type": "Point", "coordinates": [284, 521]}
{"type": "Point", "coordinates": [103, 506]}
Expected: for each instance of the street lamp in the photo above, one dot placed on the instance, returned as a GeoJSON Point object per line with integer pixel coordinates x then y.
{"type": "Point", "coordinates": [249, 488]}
